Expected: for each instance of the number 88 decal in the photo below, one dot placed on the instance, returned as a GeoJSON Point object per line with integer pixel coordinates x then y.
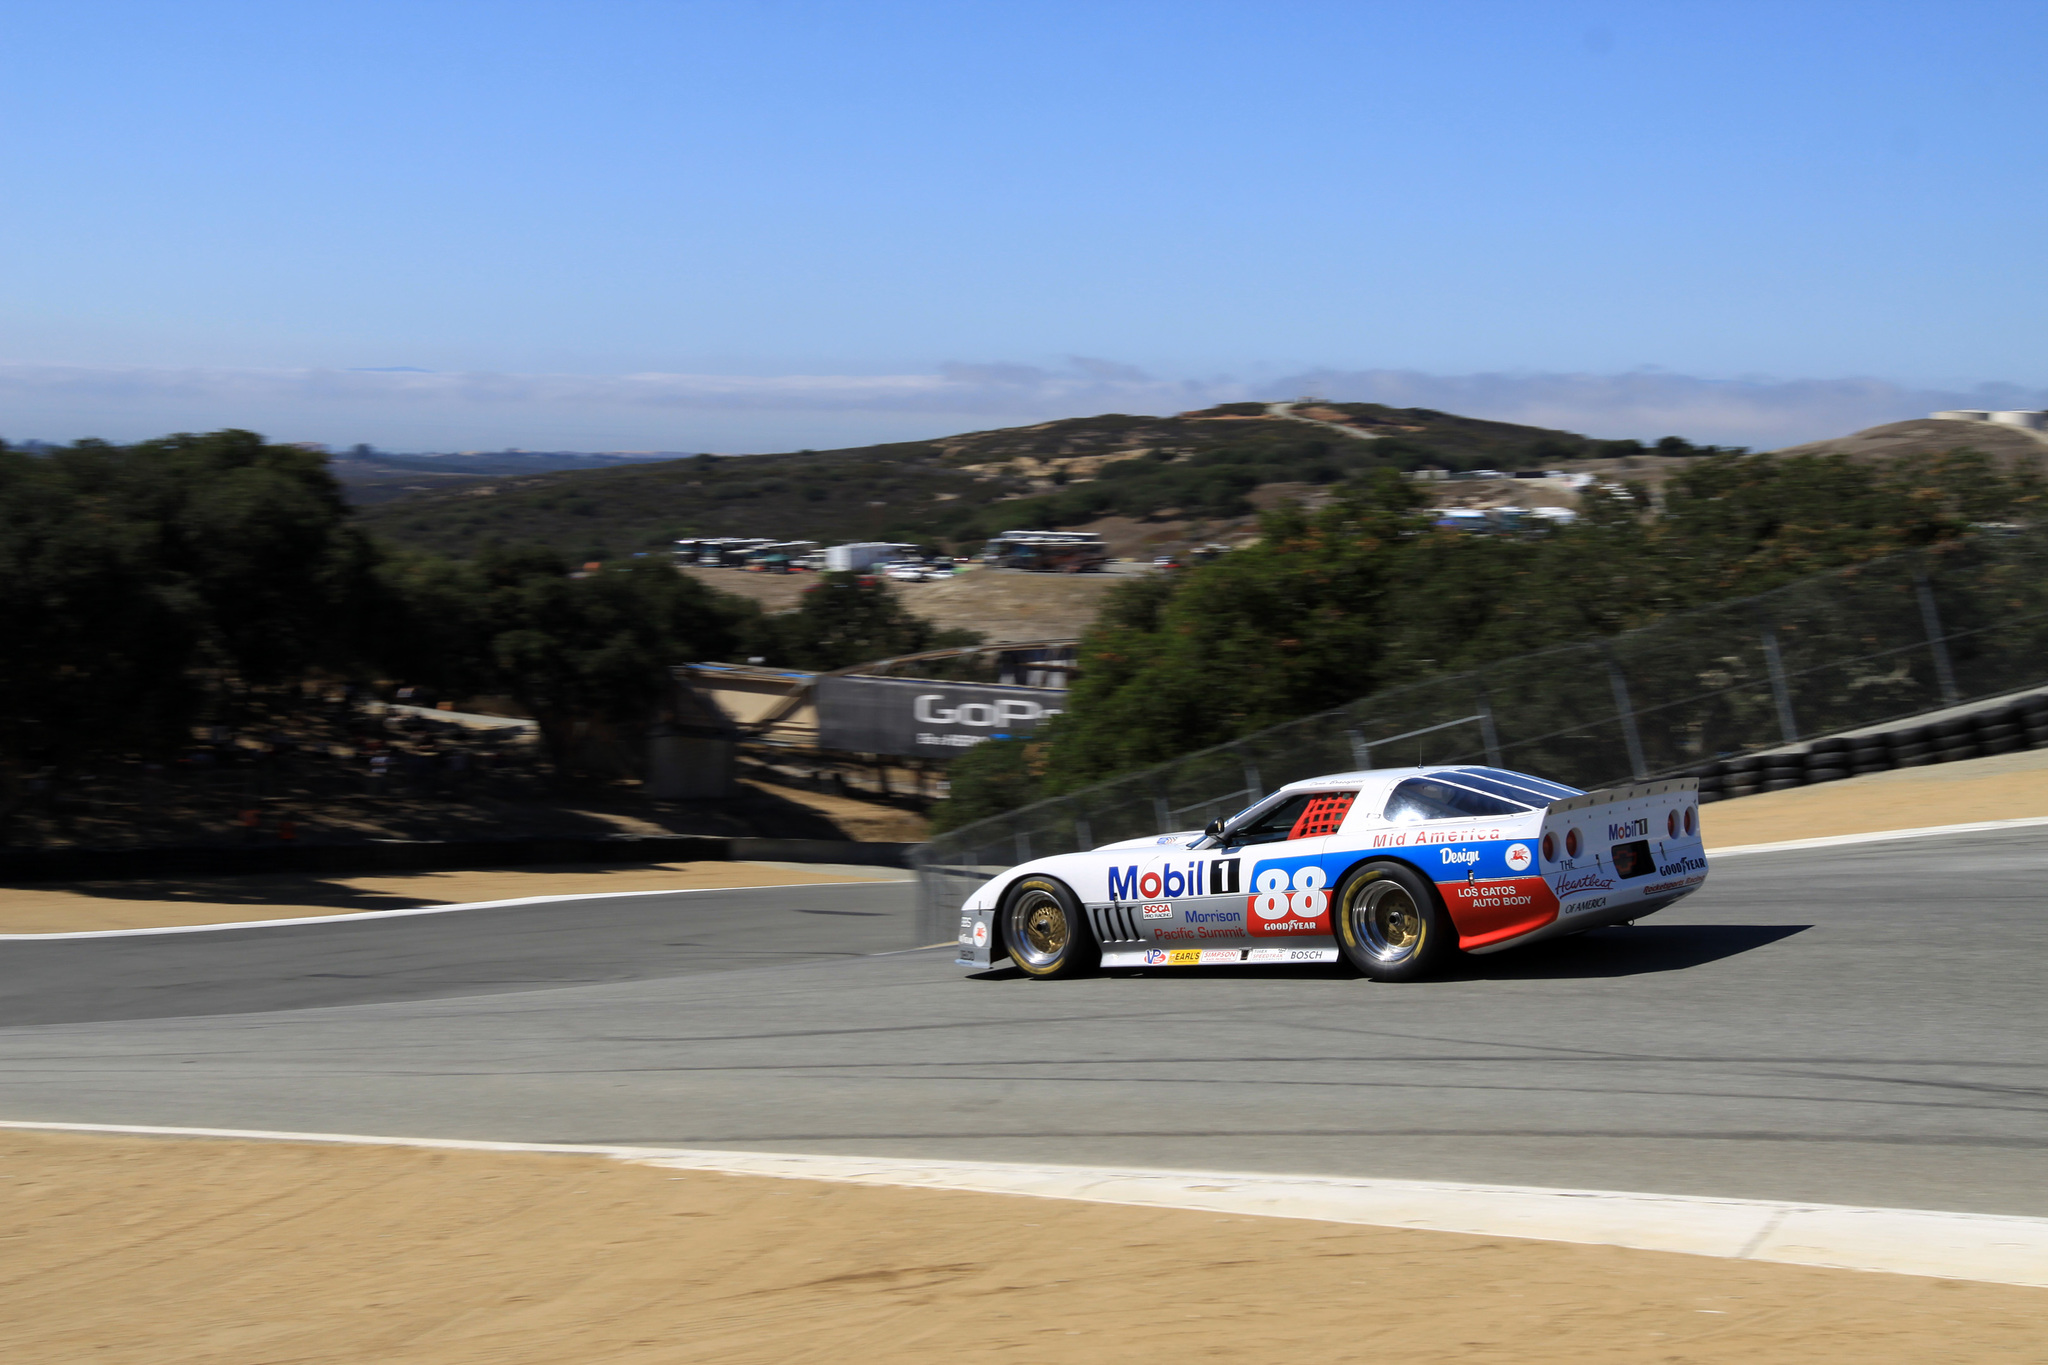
{"type": "Point", "coordinates": [1306, 898]}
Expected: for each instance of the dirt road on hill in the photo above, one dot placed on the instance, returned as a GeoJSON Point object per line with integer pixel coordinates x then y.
{"type": "Point", "coordinates": [1002, 605]}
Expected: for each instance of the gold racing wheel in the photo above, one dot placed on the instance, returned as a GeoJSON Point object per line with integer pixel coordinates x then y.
{"type": "Point", "coordinates": [1045, 930]}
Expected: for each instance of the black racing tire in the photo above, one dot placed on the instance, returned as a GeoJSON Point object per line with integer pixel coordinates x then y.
{"type": "Point", "coordinates": [1046, 931]}
{"type": "Point", "coordinates": [1826, 774]}
{"type": "Point", "coordinates": [1391, 924]}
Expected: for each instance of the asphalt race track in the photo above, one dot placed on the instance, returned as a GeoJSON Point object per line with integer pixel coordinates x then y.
{"type": "Point", "coordinates": [1861, 1025]}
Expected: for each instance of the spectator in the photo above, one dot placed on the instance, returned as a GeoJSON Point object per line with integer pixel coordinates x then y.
{"type": "Point", "coordinates": [252, 821]}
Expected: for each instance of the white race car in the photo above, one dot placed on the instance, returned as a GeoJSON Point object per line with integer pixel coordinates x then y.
{"type": "Point", "coordinates": [1394, 870]}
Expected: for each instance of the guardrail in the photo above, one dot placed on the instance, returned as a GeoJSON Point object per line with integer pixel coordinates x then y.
{"type": "Point", "coordinates": [1852, 649]}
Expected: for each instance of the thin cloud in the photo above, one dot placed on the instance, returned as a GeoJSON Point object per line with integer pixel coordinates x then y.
{"type": "Point", "coordinates": [1758, 412]}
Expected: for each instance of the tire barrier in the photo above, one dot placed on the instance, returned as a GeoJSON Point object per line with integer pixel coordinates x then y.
{"type": "Point", "coordinates": [2016, 726]}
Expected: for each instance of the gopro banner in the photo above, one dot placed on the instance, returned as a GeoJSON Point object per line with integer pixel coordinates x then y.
{"type": "Point", "coordinates": [925, 719]}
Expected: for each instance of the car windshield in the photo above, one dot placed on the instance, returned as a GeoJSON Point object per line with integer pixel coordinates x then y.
{"type": "Point", "coordinates": [1440, 798]}
{"type": "Point", "coordinates": [1513, 786]}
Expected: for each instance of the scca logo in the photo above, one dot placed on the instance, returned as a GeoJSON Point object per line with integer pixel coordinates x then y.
{"type": "Point", "coordinates": [1287, 904]}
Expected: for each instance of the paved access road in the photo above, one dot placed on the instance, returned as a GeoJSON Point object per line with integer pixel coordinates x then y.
{"type": "Point", "coordinates": [1864, 1025]}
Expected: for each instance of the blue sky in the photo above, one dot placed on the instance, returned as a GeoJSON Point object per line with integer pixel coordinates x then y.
{"type": "Point", "coordinates": [755, 226]}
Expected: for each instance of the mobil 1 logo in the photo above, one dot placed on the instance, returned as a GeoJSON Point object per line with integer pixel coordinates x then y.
{"type": "Point", "coordinates": [1171, 881]}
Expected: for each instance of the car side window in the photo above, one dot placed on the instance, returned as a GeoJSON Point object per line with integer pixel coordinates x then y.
{"type": "Point", "coordinates": [1304, 815]}
{"type": "Point", "coordinates": [1419, 799]}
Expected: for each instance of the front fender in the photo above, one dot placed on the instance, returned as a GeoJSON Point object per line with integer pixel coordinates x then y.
{"type": "Point", "coordinates": [981, 930]}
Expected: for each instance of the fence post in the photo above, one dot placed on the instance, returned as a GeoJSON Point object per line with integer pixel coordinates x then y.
{"type": "Point", "coordinates": [1487, 732]}
{"type": "Point", "coordinates": [1023, 846]}
{"type": "Point", "coordinates": [1361, 752]}
{"type": "Point", "coordinates": [1162, 815]}
{"type": "Point", "coordinates": [1779, 691]}
{"type": "Point", "coordinates": [1937, 643]}
{"type": "Point", "coordinates": [1251, 781]}
{"type": "Point", "coordinates": [1627, 714]}
{"type": "Point", "coordinates": [1084, 837]}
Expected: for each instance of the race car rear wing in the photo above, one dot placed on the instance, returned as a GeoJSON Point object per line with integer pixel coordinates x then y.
{"type": "Point", "coordinates": [1621, 795]}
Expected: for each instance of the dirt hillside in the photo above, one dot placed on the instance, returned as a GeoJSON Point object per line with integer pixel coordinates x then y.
{"type": "Point", "coordinates": [1926, 436]}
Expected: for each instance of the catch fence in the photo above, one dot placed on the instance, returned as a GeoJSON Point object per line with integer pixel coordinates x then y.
{"type": "Point", "coordinates": [1838, 651]}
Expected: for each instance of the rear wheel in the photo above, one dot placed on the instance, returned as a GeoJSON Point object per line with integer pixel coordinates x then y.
{"type": "Point", "coordinates": [1045, 931]}
{"type": "Point", "coordinates": [1391, 924]}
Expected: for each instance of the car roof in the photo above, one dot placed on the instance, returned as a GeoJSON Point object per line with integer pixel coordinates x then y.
{"type": "Point", "coordinates": [1373, 779]}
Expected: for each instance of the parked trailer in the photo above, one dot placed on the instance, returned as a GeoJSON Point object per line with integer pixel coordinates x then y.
{"type": "Point", "coordinates": [862, 555]}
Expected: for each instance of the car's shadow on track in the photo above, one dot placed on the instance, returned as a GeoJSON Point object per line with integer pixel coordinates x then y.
{"type": "Point", "coordinates": [1618, 951]}
{"type": "Point", "coordinates": [1622, 951]}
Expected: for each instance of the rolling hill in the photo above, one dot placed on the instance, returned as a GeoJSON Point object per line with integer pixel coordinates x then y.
{"type": "Point", "coordinates": [958, 490]}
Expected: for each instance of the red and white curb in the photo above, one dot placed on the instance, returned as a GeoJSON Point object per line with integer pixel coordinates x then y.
{"type": "Point", "coordinates": [1991, 1248]}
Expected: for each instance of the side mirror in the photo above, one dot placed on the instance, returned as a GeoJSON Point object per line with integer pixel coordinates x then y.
{"type": "Point", "coordinates": [1212, 829]}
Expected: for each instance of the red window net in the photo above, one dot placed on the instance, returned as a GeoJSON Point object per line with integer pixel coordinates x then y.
{"type": "Point", "coordinates": [1322, 814]}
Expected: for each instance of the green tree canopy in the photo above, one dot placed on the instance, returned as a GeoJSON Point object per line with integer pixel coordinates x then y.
{"type": "Point", "coordinates": [1365, 593]}
{"type": "Point", "coordinates": [847, 619]}
{"type": "Point", "coordinates": [598, 647]}
{"type": "Point", "coordinates": [123, 569]}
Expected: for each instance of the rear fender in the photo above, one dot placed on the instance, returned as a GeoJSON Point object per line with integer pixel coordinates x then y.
{"type": "Point", "coordinates": [1638, 850]}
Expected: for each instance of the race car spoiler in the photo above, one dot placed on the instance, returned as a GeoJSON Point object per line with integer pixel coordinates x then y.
{"type": "Point", "coordinates": [1608, 796]}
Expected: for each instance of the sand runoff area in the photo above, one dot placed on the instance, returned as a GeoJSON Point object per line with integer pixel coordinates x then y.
{"type": "Point", "coordinates": [157, 1251]}
{"type": "Point", "coordinates": [79, 907]}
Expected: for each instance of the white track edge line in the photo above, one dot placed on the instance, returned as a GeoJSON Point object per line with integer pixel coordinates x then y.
{"type": "Point", "coordinates": [1989, 1248]}
{"type": "Point", "coordinates": [1877, 836]}
{"type": "Point", "coordinates": [409, 910]}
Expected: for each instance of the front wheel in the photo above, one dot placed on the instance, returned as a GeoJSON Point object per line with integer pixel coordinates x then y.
{"type": "Point", "coordinates": [1045, 931]}
{"type": "Point", "coordinates": [1391, 924]}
